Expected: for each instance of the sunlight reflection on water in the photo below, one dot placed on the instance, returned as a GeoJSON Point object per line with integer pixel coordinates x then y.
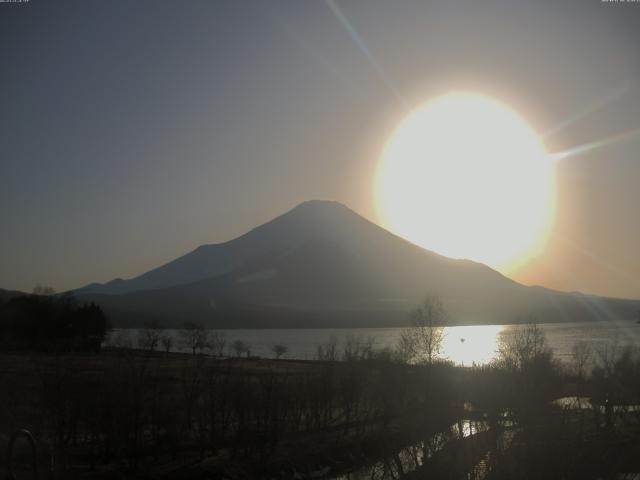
{"type": "Point", "coordinates": [471, 344]}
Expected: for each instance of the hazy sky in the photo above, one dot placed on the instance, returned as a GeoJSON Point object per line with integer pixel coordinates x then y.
{"type": "Point", "coordinates": [131, 132]}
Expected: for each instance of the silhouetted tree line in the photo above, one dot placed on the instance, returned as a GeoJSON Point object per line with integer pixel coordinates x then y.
{"type": "Point", "coordinates": [48, 322]}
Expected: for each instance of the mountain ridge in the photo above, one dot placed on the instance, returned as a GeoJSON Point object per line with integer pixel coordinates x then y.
{"type": "Point", "coordinates": [317, 208]}
{"type": "Point", "coordinates": [320, 264]}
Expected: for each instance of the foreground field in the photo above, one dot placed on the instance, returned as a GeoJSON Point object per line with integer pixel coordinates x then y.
{"type": "Point", "coordinates": [132, 414]}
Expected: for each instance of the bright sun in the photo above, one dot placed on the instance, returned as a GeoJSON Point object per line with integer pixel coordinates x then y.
{"type": "Point", "coordinates": [465, 176]}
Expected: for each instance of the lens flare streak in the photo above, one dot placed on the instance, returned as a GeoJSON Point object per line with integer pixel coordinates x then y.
{"type": "Point", "coordinates": [627, 135]}
{"type": "Point", "coordinates": [600, 103]}
{"type": "Point", "coordinates": [333, 6]}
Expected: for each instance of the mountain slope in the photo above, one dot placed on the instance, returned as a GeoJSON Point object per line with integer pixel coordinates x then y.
{"type": "Point", "coordinates": [321, 264]}
{"type": "Point", "coordinates": [6, 295]}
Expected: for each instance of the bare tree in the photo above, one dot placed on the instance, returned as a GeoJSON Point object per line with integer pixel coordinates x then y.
{"type": "Point", "coordinates": [239, 347]}
{"type": "Point", "coordinates": [616, 368]}
{"type": "Point", "coordinates": [607, 354]}
{"type": "Point", "coordinates": [405, 350]}
{"type": "Point", "coordinates": [167, 342]}
{"type": "Point", "coordinates": [194, 336]}
{"type": "Point", "coordinates": [279, 350]}
{"type": "Point", "coordinates": [351, 350]}
{"type": "Point", "coordinates": [524, 347]}
{"type": "Point", "coordinates": [423, 340]}
{"type": "Point", "coordinates": [217, 342]}
{"type": "Point", "coordinates": [582, 355]}
{"type": "Point", "coordinates": [368, 350]}
{"type": "Point", "coordinates": [533, 372]}
{"type": "Point", "coordinates": [357, 348]}
{"type": "Point", "coordinates": [43, 290]}
{"type": "Point", "coordinates": [328, 352]}
{"type": "Point", "coordinates": [149, 336]}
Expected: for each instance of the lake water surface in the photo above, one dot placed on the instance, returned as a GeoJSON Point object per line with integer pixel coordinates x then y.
{"type": "Point", "coordinates": [462, 344]}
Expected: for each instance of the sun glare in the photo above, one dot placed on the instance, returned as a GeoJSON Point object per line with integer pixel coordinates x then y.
{"type": "Point", "coordinates": [470, 344]}
{"type": "Point", "coordinates": [465, 176]}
